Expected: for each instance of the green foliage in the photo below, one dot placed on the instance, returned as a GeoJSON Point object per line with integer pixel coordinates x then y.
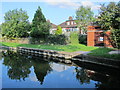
{"type": "Point", "coordinates": [57, 39]}
{"type": "Point", "coordinates": [40, 27]}
{"type": "Point", "coordinates": [74, 38]}
{"type": "Point", "coordinates": [34, 40]}
{"type": "Point", "coordinates": [110, 16]}
{"type": "Point", "coordinates": [109, 19]}
{"type": "Point", "coordinates": [115, 35]}
{"type": "Point", "coordinates": [58, 31]}
{"type": "Point", "coordinates": [83, 39]}
{"type": "Point", "coordinates": [16, 24]}
{"type": "Point", "coordinates": [84, 16]}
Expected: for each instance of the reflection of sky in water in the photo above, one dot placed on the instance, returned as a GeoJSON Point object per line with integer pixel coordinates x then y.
{"type": "Point", "coordinates": [62, 76]}
{"type": "Point", "coordinates": [59, 67]}
{"type": "Point", "coordinates": [21, 72]}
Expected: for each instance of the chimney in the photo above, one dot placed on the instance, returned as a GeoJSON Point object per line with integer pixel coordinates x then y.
{"type": "Point", "coordinates": [70, 18]}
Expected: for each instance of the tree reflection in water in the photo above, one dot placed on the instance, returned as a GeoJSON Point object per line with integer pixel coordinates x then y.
{"type": "Point", "coordinates": [41, 69]}
{"type": "Point", "coordinates": [18, 66]}
{"type": "Point", "coordinates": [82, 76]}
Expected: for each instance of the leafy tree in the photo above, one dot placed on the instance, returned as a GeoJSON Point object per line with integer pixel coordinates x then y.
{"type": "Point", "coordinates": [58, 31]}
{"type": "Point", "coordinates": [84, 16]}
{"type": "Point", "coordinates": [16, 24]}
{"type": "Point", "coordinates": [40, 27]}
{"type": "Point", "coordinates": [109, 19]}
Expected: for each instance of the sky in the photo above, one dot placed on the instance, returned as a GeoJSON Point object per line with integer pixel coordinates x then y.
{"type": "Point", "coordinates": [57, 11]}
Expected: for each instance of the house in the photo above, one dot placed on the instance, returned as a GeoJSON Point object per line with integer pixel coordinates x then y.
{"type": "Point", "coordinates": [69, 26]}
{"type": "Point", "coordinates": [53, 27]}
{"type": "Point", "coordinates": [98, 37]}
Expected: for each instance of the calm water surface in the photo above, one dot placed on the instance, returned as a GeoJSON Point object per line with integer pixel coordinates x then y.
{"type": "Point", "coordinates": [23, 71]}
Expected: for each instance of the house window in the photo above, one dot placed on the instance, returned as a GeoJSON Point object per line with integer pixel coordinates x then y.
{"type": "Point", "coordinates": [100, 38]}
{"type": "Point", "coordinates": [68, 23]}
{"type": "Point", "coordinates": [72, 23]}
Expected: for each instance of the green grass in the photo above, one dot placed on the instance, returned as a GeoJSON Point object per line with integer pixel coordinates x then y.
{"type": "Point", "coordinates": [66, 48]}
{"type": "Point", "coordinates": [103, 52]}
{"type": "Point", "coordinates": [95, 51]}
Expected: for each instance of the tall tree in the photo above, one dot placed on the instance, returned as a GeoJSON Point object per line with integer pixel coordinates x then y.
{"type": "Point", "coordinates": [40, 27]}
{"type": "Point", "coordinates": [84, 16]}
{"type": "Point", "coordinates": [16, 24]}
{"type": "Point", "coordinates": [109, 19]}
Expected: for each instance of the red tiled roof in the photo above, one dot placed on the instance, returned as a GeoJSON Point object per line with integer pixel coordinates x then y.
{"type": "Point", "coordinates": [53, 25]}
{"type": "Point", "coordinates": [64, 24]}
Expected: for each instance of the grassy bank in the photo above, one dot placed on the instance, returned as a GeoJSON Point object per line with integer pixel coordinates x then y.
{"type": "Point", "coordinates": [103, 52]}
{"type": "Point", "coordinates": [66, 48]}
{"type": "Point", "coordinates": [95, 51]}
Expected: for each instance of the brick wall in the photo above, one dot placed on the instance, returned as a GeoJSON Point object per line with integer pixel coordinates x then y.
{"type": "Point", "coordinates": [90, 39]}
{"type": "Point", "coordinates": [93, 40]}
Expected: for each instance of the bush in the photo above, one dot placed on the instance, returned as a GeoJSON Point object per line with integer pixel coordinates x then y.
{"type": "Point", "coordinates": [57, 39]}
{"type": "Point", "coordinates": [83, 39]}
{"type": "Point", "coordinates": [33, 40]}
{"type": "Point", "coordinates": [74, 38]}
{"type": "Point", "coordinates": [58, 31]}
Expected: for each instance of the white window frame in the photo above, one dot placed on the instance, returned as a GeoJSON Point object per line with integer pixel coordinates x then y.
{"type": "Point", "coordinates": [68, 23]}
{"type": "Point", "coordinates": [101, 38]}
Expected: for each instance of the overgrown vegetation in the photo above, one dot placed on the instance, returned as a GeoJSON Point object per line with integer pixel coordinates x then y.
{"type": "Point", "coordinates": [109, 19]}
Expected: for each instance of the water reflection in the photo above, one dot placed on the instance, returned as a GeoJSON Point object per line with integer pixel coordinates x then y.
{"type": "Point", "coordinates": [18, 66]}
{"type": "Point", "coordinates": [41, 69]}
{"type": "Point", "coordinates": [19, 69]}
{"type": "Point", "coordinates": [82, 75]}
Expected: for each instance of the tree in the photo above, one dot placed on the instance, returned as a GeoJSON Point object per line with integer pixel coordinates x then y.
{"type": "Point", "coordinates": [16, 24]}
{"type": "Point", "coordinates": [58, 31]}
{"type": "Point", "coordinates": [40, 27]}
{"type": "Point", "coordinates": [84, 16]}
{"type": "Point", "coordinates": [109, 19]}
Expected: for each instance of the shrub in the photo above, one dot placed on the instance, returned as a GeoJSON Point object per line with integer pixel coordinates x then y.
{"type": "Point", "coordinates": [58, 31]}
{"type": "Point", "coordinates": [33, 40]}
{"type": "Point", "coordinates": [74, 38]}
{"type": "Point", "coordinates": [83, 39]}
{"type": "Point", "coordinates": [57, 39]}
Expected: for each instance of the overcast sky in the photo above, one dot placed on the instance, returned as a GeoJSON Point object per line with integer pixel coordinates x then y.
{"type": "Point", "coordinates": [57, 11]}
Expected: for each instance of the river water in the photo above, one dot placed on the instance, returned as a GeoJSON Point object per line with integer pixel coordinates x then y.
{"type": "Point", "coordinates": [24, 71]}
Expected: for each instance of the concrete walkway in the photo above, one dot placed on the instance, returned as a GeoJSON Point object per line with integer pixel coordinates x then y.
{"type": "Point", "coordinates": [115, 52]}
{"type": "Point", "coordinates": [72, 54]}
